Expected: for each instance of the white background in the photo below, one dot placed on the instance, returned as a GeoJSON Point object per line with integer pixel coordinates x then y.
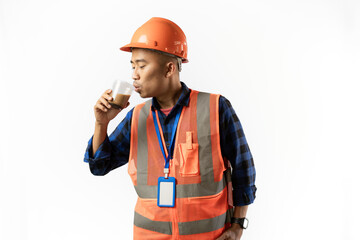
{"type": "Point", "coordinates": [290, 69]}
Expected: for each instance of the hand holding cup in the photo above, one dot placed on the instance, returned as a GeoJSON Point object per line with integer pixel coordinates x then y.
{"type": "Point", "coordinates": [112, 102]}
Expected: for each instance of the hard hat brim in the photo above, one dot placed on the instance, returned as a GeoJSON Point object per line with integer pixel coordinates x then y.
{"type": "Point", "coordinates": [127, 48]}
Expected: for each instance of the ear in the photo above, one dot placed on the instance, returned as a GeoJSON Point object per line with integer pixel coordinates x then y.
{"type": "Point", "coordinates": [170, 69]}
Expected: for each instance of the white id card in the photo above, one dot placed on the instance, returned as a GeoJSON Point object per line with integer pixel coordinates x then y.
{"type": "Point", "coordinates": [166, 192]}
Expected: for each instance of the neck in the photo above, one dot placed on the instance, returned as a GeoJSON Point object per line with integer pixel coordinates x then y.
{"type": "Point", "coordinates": [171, 96]}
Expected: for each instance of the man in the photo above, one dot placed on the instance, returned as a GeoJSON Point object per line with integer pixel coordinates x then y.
{"type": "Point", "coordinates": [179, 146]}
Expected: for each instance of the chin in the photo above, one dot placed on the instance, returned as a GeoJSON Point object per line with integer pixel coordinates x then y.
{"type": "Point", "coordinates": [143, 95]}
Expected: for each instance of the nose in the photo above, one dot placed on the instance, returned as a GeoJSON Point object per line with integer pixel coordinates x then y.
{"type": "Point", "coordinates": [135, 75]}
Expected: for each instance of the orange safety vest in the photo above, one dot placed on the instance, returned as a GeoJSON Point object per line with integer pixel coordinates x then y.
{"type": "Point", "coordinates": [202, 209]}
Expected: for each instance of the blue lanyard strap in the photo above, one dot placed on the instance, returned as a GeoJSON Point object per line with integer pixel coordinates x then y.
{"type": "Point", "coordinates": [173, 133]}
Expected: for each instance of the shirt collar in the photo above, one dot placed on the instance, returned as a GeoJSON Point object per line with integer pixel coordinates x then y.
{"type": "Point", "coordinates": [183, 99]}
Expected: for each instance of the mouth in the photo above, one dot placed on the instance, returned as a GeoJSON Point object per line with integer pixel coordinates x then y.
{"type": "Point", "coordinates": [137, 88]}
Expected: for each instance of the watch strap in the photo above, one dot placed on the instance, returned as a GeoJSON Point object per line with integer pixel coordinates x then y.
{"type": "Point", "coordinates": [243, 222]}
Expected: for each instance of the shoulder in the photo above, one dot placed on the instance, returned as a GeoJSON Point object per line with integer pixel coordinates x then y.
{"type": "Point", "coordinates": [223, 101]}
{"type": "Point", "coordinates": [221, 97]}
{"type": "Point", "coordinates": [204, 94]}
{"type": "Point", "coordinates": [142, 109]}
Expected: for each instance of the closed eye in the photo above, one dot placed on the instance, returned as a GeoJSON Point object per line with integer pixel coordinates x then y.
{"type": "Point", "coordinates": [139, 67]}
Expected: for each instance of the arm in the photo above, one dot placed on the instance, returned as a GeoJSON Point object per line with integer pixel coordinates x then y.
{"type": "Point", "coordinates": [105, 153]}
{"type": "Point", "coordinates": [113, 151]}
{"type": "Point", "coordinates": [234, 147]}
{"type": "Point", "coordinates": [99, 136]}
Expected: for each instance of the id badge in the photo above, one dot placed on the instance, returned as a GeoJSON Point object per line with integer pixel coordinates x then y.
{"type": "Point", "coordinates": [166, 192]}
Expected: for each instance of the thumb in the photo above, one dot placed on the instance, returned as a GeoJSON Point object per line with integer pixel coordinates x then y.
{"type": "Point", "coordinates": [127, 104]}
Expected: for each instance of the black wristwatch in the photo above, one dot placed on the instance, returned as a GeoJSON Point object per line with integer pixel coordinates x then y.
{"type": "Point", "coordinates": [243, 222]}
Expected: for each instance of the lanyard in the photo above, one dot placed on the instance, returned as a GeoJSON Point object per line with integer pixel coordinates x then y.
{"type": "Point", "coordinates": [173, 133]}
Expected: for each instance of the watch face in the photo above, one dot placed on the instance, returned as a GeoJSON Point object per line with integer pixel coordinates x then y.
{"type": "Point", "coordinates": [245, 223]}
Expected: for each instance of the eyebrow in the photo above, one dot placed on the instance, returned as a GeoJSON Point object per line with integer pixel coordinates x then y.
{"type": "Point", "coordinates": [138, 60]}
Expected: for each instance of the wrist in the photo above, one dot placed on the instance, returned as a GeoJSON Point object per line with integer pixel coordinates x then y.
{"type": "Point", "coordinates": [236, 226]}
{"type": "Point", "coordinates": [101, 125]}
{"type": "Point", "coordinates": [240, 222]}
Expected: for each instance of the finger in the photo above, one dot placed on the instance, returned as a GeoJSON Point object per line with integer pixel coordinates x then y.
{"type": "Point", "coordinates": [100, 107]}
{"type": "Point", "coordinates": [104, 102]}
{"type": "Point", "coordinates": [127, 104]}
{"type": "Point", "coordinates": [107, 96]}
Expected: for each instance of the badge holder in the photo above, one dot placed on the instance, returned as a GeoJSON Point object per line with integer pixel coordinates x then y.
{"type": "Point", "coordinates": [166, 192]}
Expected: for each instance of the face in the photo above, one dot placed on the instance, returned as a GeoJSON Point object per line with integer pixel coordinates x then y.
{"type": "Point", "coordinates": [149, 73]}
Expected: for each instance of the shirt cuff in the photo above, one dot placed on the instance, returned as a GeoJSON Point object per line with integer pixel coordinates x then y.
{"type": "Point", "coordinates": [244, 196]}
{"type": "Point", "coordinates": [101, 153]}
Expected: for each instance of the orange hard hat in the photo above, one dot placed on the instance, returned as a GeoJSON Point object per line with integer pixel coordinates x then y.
{"type": "Point", "coordinates": [162, 35]}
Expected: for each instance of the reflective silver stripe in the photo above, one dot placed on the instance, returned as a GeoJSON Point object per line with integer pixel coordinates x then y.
{"type": "Point", "coordinates": [184, 190]}
{"type": "Point", "coordinates": [156, 226]}
{"type": "Point", "coordinates": [202, 226]}
{"type": "Point", "coordinates": [142, 149]}
{"type": "Point", "coordinates": [204, 138]}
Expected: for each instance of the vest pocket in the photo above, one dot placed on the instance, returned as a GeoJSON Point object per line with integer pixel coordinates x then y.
{"type": "Point", "coordinates": [189, 159]}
